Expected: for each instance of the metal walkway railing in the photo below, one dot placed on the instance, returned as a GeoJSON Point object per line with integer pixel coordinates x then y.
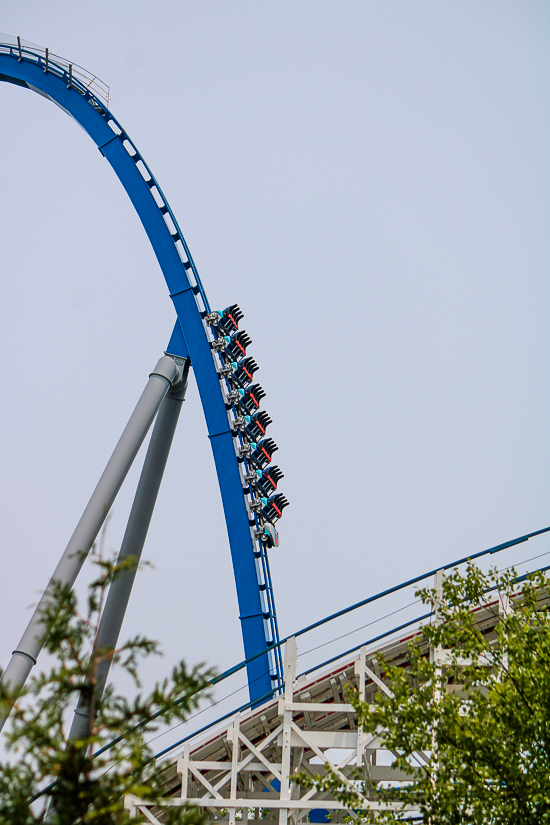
{"type": "Point", "coordinates": [76, 75]}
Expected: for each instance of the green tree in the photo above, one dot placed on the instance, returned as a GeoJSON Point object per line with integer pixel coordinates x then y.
{"type": "Point", "coordinates": [83, 787]}
{"type": "Point", "coordinates": [482, 719]}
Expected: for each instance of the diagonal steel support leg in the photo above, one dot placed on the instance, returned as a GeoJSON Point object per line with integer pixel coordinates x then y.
{"type": "Point", "coordinates": [132, 544]}
{"type": "Point", "coordinates": [24, 657]}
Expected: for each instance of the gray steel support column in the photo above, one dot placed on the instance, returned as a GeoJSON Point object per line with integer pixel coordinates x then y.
{"type": "Point", "coordinates": [132, 544]}
{"type": "Point", "coordinates": [24, 657]}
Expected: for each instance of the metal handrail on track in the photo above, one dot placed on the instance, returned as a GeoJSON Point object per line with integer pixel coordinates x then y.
{"type": "Point", "coordinates": [81, 78]}
{"type": "Point", "coordinates": [303, 631]}
{"type": "Point", "coordinates": [413, 624]}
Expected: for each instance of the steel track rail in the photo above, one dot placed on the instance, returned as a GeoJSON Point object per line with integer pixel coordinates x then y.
{"type": "Point", "coordinates": [85, 98]}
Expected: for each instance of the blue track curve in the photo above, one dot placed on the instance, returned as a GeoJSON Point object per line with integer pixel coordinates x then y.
{"type": "Point", "coordinates": [33, 68]}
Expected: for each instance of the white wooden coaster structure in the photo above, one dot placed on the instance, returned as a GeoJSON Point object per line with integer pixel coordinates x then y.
{"type": "Point", "coordinates": [244, 770]}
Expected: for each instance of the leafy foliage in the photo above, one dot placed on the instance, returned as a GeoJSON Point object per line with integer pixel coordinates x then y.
{"type": "Point", "coordinates": [481, 719]}
{"type": "Point", "coordinates": [88, 788]}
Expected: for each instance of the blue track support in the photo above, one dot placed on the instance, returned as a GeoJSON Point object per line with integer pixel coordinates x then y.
{"type": "Point", "coordinates": [188, 339]}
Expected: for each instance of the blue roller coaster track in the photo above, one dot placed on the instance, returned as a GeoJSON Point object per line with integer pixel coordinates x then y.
{"type": "Point", "coordinates": [216, 348]}
{"type": "Point", "coordinates": [211, 341]}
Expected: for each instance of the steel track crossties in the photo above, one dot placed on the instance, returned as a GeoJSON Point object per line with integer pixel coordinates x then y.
{"type": "Point", "coordinates": [212, 341]}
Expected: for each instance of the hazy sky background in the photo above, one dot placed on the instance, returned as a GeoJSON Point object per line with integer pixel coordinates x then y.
{"type": "Point", "coordinates": [370, 182]}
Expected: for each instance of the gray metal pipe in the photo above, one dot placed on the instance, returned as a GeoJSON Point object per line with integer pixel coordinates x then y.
{"type": "Point", "coordinates": [24, 657]}
{"type": "Point", "coordinates": [132, 545]}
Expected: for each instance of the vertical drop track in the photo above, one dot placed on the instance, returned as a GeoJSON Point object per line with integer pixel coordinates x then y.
{"type": "Point", "coordinates": [211, 340]}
